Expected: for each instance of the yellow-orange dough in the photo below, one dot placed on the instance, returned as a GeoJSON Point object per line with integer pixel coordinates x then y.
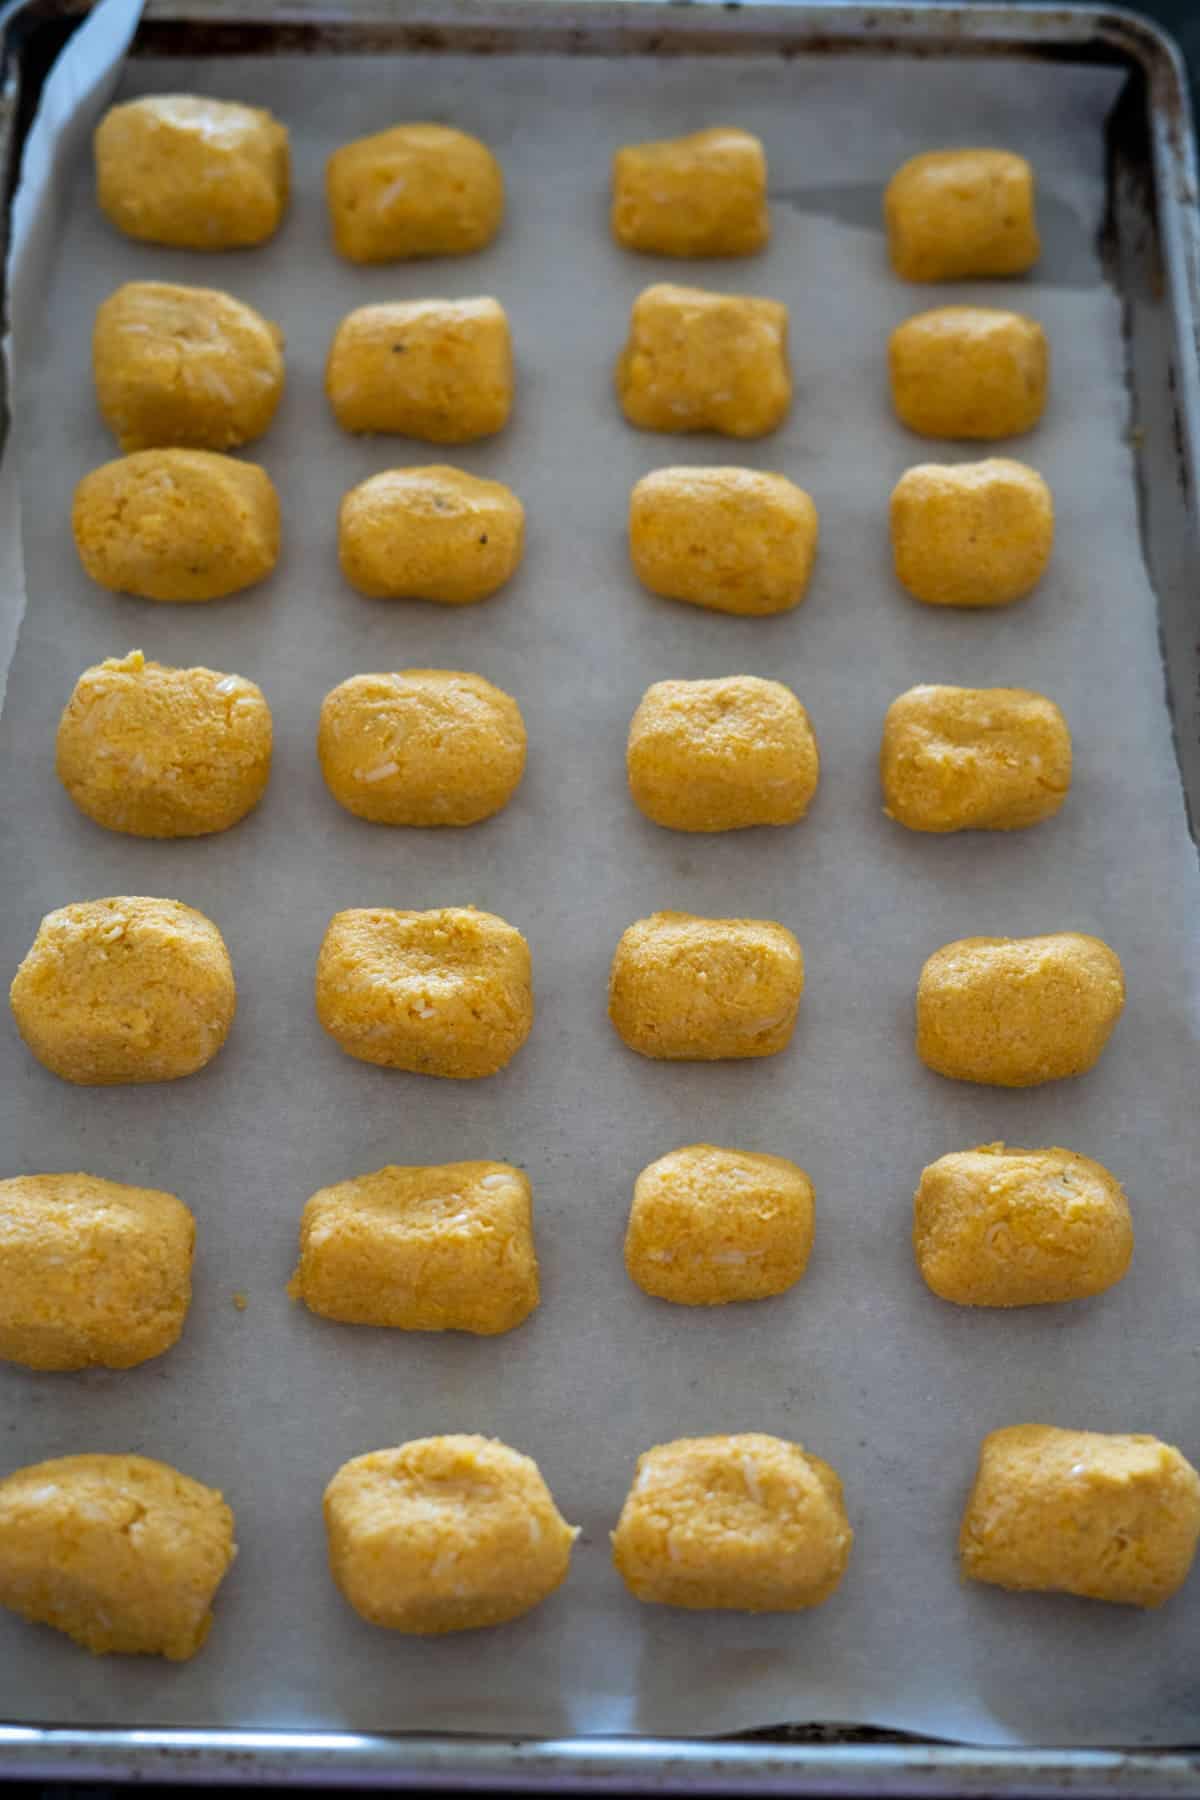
{"type": "Point", "coordinates": [177, 524]}
{"type": "Point", "coordinates": [1014, 1012]}
{"type": "Point", "coordinates": [127, 989]}
{"type": "Point", "coordinates": [430, 534]}
{"type": "Point", "coordinates": [971, 534]}
{"type": "Point", "coordinates": [196, 173]}
{"type": "Point", "coordinates": [708, 1226]}
{"type": "Point", "coordinates": [698, 361]}
{"type": "Point", "coordinates": [444, 1248]}
{"type": "Point", "coordinates": [92, 1273]}
{"type": "Point", "coordinates": [1004, 1227]}
{"type": "Point", "coordinates": [700, 990]}
{"type": "Point", "coordinates": [733, 540]}
{"type": "Point", "coordinates": [720, 755]}
{"type": "Point", "coordinates": [748, 1523]}
{"type": "Point", "coordinates": [123, 1554]}
{"type": "Point", "coordinates": [445, 1534]}
{"type": "Point", "coordinates": [701, 195]}
{"type": "Point", "coordinates": [983, 759]}
{"type": "Point", "coordinates": [1105, 1516]}
{"type": "Point", "coordinates": [956, 214]}
{"type": "Point", "coordinates": [438, 993]}
{"type": "Point", "coordinates": [188, 367]}
{"type": "Point", "coordinates": [969, 372]}
{"type": "Point", "coordinates": [164, 753]}
{"type": "Point", "coordinates": [441, 370]}
{"type": "Point", "coordinates": [415, 190]}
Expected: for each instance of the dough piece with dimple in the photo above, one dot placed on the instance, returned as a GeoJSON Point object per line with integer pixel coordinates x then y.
{"type": "Point", "coordinates": [1105, 1516]}
{"type": "Point", "coordinates": [1014, 1012]}
{"type": "Point", "coordinates": [441, 370]}
{"type": "Point", "coordinates": [687, 989]}
{"type": "Point", "coordinates": [177, 525]}
{"type": "Point", "coordinates": [969, 372]}
{"type": "Point", "coordinates": [445, 1248]}
{"type": "Point", "coordinates": [123, 1554]}
{"type": "Point", "coordinates": [196, 173]}
{"type": "Point", "coordinates": [445, 1534]}
{"type": "Point", "coordinates": [982, 759]}
{"type": "Point", "coordinates": [421, 747]}
{"type": "Point", "coordinates": [128, 989]}
{"type": "Point", "coordinates": [701, 195]}
{"type": "Point", "coordinates": [1005, 1227]}
{"type": "Point", "coordinates": [709, 1226]}
{"type": "Point", "coordinates": [92, 1273]}
{"type": "Point", "coordinates": [971, 534]}
{"type": "Point", "coordinates": [747, 1523]}
{"type": "Point", "coordinates": [430, 534]}
{"type": "Point", "coordinates": [721, 755]}
{"type": "Point", "coordinates": [732, 540]}
{"type": "Point", "coordinates": [448, 992]}
{"type": "Point", "coordinates": [164, 753]}
{"type": "Point", "coordinates": [698, 361]}
{"type": "Point", "coordinates": [416, 190]}
{"type": "Point", "coordinates": [189, 367]}
{"type": "Point", "coordinates": [953, 215]}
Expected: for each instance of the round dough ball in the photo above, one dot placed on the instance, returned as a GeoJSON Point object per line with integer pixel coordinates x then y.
{"type": "Point", "coordinates": [698, 361]}
{"type": "Point", "coordinates": [954, 215]}
{"type": "Point", "coordinates": [686, 989]}
{"type": "Point", "coordinates": [973, 759]}
{"type": "Point", "coordinates": [416, 190]}
{"type": "Point", "coordinates": [129, 989]}
{"type": "Point", "coordinates": [701, 195]}
{"type": "Point", "coordinates": [746, 1524]}
{"type": "Point", "coordinates": [721, 755]}
{"type": "Point", "coordinates": [445, 1534]}
{"type": "Point", "coordinates": [185, 366]}
{"type": "Point", "coordinates": [732, 540]}
{"type": "Point", "coordinates": [421, 747]}
{"type": "Point", "coordinates": [430, 534]}
{"type": "Point", "coordinates": [164, 753]}
{"type": "Point", "coordinates": [971, 534]}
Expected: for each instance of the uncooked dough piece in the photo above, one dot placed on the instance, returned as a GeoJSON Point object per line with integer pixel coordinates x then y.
{"type": "Point", "coordinates": [701, 195]}
{"type": "Point", "coordinates": [196, 173]}
{"type": "Point", "coordinates": [1014, 1012]}
{"type": "Point", "coordinates": [445, 1534]}
{"type": "Point", "coordinates": [123, 1554]}
{"type": "Point", "coordinates": [1105, 1516]}
{"type": "Point", "coordinates": [748, 1523]}
{"type": "Point", "coordinates": [177, 525]}
{"type": "Point", "coordinates": [956, 214]}
{"type": "Point", "coordinates": [1004, 1227]}
{"type": "Point", "coordinates": [421, 747]}
{"type": "Point", "coordinates": [445, 1248]}
{"type": "Point", "coordinates": [687, 989]}
{"type": "Point", "coordinates": [184, 366]}
{"type": "Point", "coordinates": [971, 534]}
{"type": "Point", "coordinates": [732, 540]}
{"type": "Point", "coordinates": [430, 534]}
{"type": "Point", "coordinates": [708, 1226]}
{"type": "Point", "coordinates": [441, 370]}
{"type": "Point", "coordinates": [128, 989]}
{"type": "Point", "coordinates": [969, 372]}
{"type": "Point", "coordinates": [982, 759]}
{"type": "Point", "coordinates": [720, 755]}
{"type": "Point", "coordinates": [697, 361]}
{"type": "Point", "coordinates": [416, 190]}
{"type": "Point", "coordinates": [438, 993]}
{"type": "Point", "coordinates": [164, 753]}
{"type": "Point", "coordinates": [92, 1273]}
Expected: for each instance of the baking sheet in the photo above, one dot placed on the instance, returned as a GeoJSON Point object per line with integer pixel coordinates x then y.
{"type": "Point", "coordinates": [859, 1362]}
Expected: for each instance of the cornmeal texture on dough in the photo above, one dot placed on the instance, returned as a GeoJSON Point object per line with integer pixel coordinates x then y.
{"type": "Point", "coordinates": [441, 370]}
{"type": "Point", "coordinates": [982, 759]}
{"type": "Point", "coordinates": [700, 990]}
{"type": "Point", "coordinates": [123, 1554]}
{"type": "Point", "coordinates": [92, 1273]}
{"type": "Point", "coordinates": [971, 534]}
{"type": "Point", "coordinates": [700, 195]}
{"type": "Point", "coordinates": [445, 1534]}
{"type": "Point", "coordinates": [954, 215]}
{"type": "Point", "coordinates": [1108, 1517]}
{"type": "Point", "coordinates": [127, 989]}
{"type": "Point", "coordinates": [747, 1523]}
{"type": "Point", "coordinates": [430, 534]}
{"type": "Point", "coordinates": [192, 172]}
{"type": "Point", "coordinates": [1014, 1012]}
{"type": "Point", "coordinates": [969, 372]}
{"type": "Point", "coordinates": [732, 540]}
{"type": "Point", "coordinates": [415, 190]}
{"type": "Point", "coordinates": [698, 361]}
{"type": "Point", "coordinates": [164, 753]}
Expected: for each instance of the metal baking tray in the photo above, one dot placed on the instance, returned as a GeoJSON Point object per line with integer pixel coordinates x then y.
{"type": "Point", "coordinates": [1151, 246]}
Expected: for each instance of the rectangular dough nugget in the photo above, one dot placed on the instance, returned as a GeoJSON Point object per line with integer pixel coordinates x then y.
{"type": "Point", "coordinates": [982, 759]}
{"type": "Point", "coordinates": [685, 989]}
{"type": "Point", "coordinates": [440, 370]}
{"type": "Point", "coordinates": [733, 540]}
{"type": "Point", "coordinates": [702, 195]}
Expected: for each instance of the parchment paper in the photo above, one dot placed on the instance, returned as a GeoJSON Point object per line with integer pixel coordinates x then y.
{"type": "Point", "coordinates": [859, 1362]}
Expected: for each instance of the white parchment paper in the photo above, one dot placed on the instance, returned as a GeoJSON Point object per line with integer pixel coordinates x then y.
{"type": "Point", "coordinates": [859, 1362]}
